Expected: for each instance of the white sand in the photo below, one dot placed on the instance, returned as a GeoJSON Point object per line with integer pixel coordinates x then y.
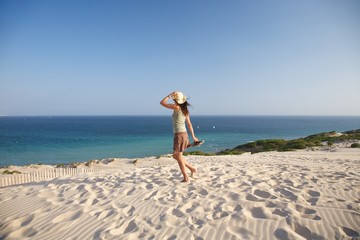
{"type": "Point", "coordinates": [292, 195]}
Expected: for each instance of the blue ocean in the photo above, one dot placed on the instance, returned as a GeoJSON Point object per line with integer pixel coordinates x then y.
{"type": "Point", "coordinates": [64, 139]}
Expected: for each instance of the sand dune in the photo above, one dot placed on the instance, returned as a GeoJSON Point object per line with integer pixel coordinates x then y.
{"type": "Point", "coordinates": [293, 195]}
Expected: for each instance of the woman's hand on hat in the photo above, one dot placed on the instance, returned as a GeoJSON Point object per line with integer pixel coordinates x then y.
{"type": "Point", "coordinates": [171, 94]}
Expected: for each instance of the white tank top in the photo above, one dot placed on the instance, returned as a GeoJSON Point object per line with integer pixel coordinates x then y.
{"type": "Point", "coordinates": [178, 121]}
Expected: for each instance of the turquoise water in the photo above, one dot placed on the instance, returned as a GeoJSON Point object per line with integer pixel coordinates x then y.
{"type": "Point", "coordinates": [51, 140]}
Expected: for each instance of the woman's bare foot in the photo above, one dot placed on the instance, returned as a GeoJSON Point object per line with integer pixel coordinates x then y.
{"type": "Point", "coordinates": [186, 180]}
{"type": "Point", "coordinates": [192, 175]}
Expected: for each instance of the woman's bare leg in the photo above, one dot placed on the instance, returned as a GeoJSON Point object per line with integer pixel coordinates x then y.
{"type": "Point", "coordinates": [181, 162]}
{"type": "Point", "coordinates": [191, 168]}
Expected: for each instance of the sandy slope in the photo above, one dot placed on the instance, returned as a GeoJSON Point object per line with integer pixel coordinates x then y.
{"type": "Point", "coordinates": [293, 195]}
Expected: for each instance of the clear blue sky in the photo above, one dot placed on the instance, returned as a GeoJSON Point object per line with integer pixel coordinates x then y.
{"type": "Point", "coordinates": [232, 57]}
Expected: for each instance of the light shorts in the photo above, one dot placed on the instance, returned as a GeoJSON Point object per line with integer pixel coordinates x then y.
{"type": "Point", "coordinates": [181, 142]}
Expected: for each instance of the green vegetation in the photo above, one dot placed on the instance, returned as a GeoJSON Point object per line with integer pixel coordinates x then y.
{"type": "Point", "coordinates": [199, 153]}
{"type": "Point", "coordinates": [68, 165]}
{"type": "Point", "coordinates": [355, 145]}
{"type": "Point", "coordinates": [281, 145]}
{"type": "Point", "coordinates": [11, 172]}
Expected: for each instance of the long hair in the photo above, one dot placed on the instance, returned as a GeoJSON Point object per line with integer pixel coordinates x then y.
{"type": "Point", "coordinates": [184, 107]}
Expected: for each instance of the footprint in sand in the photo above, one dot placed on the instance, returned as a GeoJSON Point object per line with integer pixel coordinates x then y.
{"type": "Point", "coordinates": [312, 197]}
{"type": "Point", "coordinates": [103, 214]}
{"type": "Point", "coordinates": [287, 194]}
{"type": "Point", "coordinates": [302, 230]}
{"type": "Point", "coordinates": [197, 191]}
{"type": "Point", "coordinates": [260, 212]}
{"type": "Point", "coordinates": [128, 211]}
{"type": "Point", "coordinates": [68, 216]}
{"type": "Point", "coordinates": [17, 228]}
{"type": "Point", "coordinates": [252, 198]}
{"type": "Point", "coordinates": [22, 233]}
{"type": "Point", "coordinates": [281, 212]}
{"type": "Point", "coordinates": [90, 201]}
{"type": "Point", "coordinates": [145, 235]}
{"type": "Point", "coordinates": [195, 222]}
{"type": "Point", "coordinates": [307, 212]}
{"type": "Point", "coordinates": [233, 207]}
{"type": "Point", "coordinates": [26, 220]}
{"type": "Point", "coordinates": [314, 193]}
{"type": "Point", "coordinates": [218, 215]}
{"type": "Point", "coordinates": [289, 183]}
{"type": "Point", "coordinates": [130, 192]}
{"type": "Point", "coordinates": [305, 232]}
{"type": "Point", "coordinates": [172, 237]}
{"type": "Point", "coordinates": [177, 213]}
{"type": "Point", "coordinates": [188, 207]}
{"type": "Point", "coordinates": [304, 210]}
{"type": "Point", "coordinates": [355, 207]}
{"type": "Point", "coordinates": [281, 233]}
{"type": "Point", "coordinates": [262, 194]}
{"type": "Point", "coordinates": [234, 196]}
{"type": "Point", "coordinates": [150, 195]}
{"type": "Point", "coordinates": [270, 204]}
{"type": "Point", "coordinates": [127, 227]}
{"type": "Point", "coordinates": [203, 192]}
{"type": "Point", "coordinates": [350, 233]}
{"type": "Point", "coordinates": [153, 225]}
{"type": "Point", "coordinates": [312, 201]}
{"type": "Point", "coordinates": [314, 180]}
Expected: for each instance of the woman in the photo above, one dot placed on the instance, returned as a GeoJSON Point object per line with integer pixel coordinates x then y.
{"type": "Point", "coordinates": [181, 140]}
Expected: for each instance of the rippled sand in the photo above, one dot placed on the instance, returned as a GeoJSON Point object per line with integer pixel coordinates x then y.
{"type": "Point", "coordinates": [292, 195]}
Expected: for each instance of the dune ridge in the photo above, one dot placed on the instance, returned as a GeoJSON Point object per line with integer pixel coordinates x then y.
{"type": "Point", "coordinates": [288, 195]}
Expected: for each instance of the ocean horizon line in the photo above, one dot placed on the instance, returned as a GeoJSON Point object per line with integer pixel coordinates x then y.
{"type": "Point", "coordinates": [193, 115]}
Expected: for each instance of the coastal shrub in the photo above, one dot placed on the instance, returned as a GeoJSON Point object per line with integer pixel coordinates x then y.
{"type": "Point", "coordinates": [198, 153]}
{"type": "Point", "coordinates": [262, 146]}
{"type": "Point", "coordinates": [74, 165]}
{"type": "Point", "coordinates": [333, 137]}
{"type": "Point", "coordinates": [354, 133]}
{"type": "Point", "coordinates": [315, 140]}
{"type": "Point", "coordinates": [355, 145]}
{"type": "Point", "coordinates": [230, 152]}
{"type": "Point", "coordinates": [294, 145]}
{"type": "Point", "coordinates": [11, 172]}
{"type": "Point", "coordinates": [250, 145]}
{"type": "Point", "coordinates": [272, 144]}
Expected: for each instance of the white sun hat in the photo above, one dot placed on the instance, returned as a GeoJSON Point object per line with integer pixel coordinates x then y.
{"type": "Point", "coordinates": [179, 97]}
